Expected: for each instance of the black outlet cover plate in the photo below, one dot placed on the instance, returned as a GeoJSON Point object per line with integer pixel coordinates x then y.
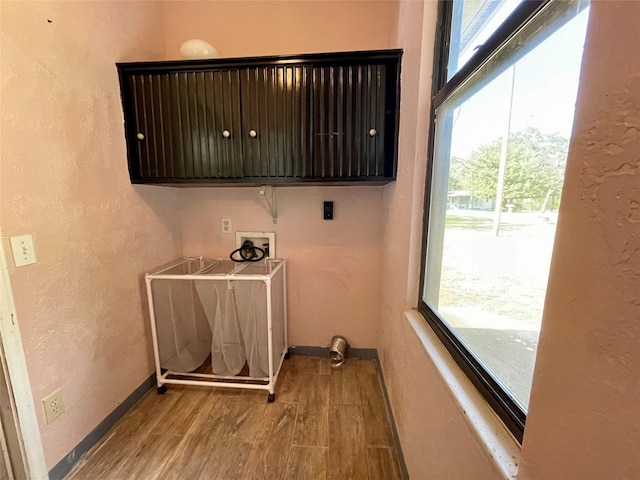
{"type": "Point", "coordinates": [328, 210]}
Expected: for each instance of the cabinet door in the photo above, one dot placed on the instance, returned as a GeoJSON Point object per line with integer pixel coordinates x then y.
{"type": "Point", "coordinates": [349, 121]}
{"type": "Point", "coordinates": [276, 121]}
{"type": "Point", "coordinates": [146, 127]}
{"type": "Point", "coordinates": [184, 125]}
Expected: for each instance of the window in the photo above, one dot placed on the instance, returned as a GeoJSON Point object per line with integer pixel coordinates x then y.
{"type": "Point", "coordinates": [506, 79]}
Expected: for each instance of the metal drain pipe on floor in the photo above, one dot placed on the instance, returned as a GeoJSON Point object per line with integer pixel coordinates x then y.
{"type": "Point", "coordinates": [338, 350]}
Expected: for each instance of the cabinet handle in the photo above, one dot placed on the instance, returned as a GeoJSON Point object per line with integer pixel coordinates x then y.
{"type": "Point", "coordinates": [140, 136]}
{"type": "Point", "coordinates": [373, 132]}
{"type": "Point", "coordinates": [253, 133]}
{"type": "Point", "coordinates": [226, 133]}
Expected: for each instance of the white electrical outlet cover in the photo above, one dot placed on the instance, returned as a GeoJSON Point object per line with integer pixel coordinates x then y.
{"type": "Point", "coordinates": [23, 251]}
{"type": "Point", "coordinates": [53, 405]}
{"type": "Point", "coordinates": [225, 225]}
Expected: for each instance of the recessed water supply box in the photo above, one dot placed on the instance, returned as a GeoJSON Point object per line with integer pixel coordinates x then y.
{"type": "Point", "coordinates": [263, 240]}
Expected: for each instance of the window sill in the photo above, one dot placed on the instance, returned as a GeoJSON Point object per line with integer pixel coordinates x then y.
{"type": "Point", "coordinates": [495, 438]}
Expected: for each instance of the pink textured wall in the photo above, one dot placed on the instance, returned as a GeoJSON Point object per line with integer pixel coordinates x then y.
{"type": "Point", "coordinates": [64, 180]}
{"type": "Point", "coordinates": [263, 27]}
{"type": "Point", "coordinates": [436, 439]}
{"type": "Point", "coordinates": [333, 266]}
{"type": "Point", "coordinates": [584, 420]}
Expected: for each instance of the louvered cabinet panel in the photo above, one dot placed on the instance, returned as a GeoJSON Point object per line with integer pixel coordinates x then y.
{"type": "Point", "coordinates": [276, 121]}
{"type": "Point", "coordinates": [147, 153]}
{"type": "Point", "coordinates": [184, 125]}
{"type": "Point", "coordinates": [349, 121]}
{"type": "Point", "coordinates": [209, 123]}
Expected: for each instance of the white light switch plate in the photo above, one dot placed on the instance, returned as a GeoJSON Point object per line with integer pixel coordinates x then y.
{"type": "Point", "coordinates": [23, 252]}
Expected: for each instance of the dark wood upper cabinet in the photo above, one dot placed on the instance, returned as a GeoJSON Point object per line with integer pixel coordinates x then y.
{"type": "Point", "coordinates": [349, 121]}
{"type": "Point", "coordinates": [183, 125]}
{"type": "Point", "coordinates": [276, 120]}
{"type": "Point", "coordinates": [305, 119]}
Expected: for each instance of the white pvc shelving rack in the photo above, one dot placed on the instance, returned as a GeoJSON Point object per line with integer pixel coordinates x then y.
{"type": "Point", "coordinates": [194, 269]}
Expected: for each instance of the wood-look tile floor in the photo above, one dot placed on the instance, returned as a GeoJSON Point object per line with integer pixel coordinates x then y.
{"type": "Point", "coordinates": [325, 424]}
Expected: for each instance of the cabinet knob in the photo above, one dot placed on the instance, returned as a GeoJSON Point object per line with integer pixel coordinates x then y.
{"type": "Point", "coordinates": [140, 136]}
{"type": "Point", "coordinates": [373, 132]}
{"type": "Point", "coordinates": [226, 133]}
{"type": "Point", "coordinates": [253, 133]}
